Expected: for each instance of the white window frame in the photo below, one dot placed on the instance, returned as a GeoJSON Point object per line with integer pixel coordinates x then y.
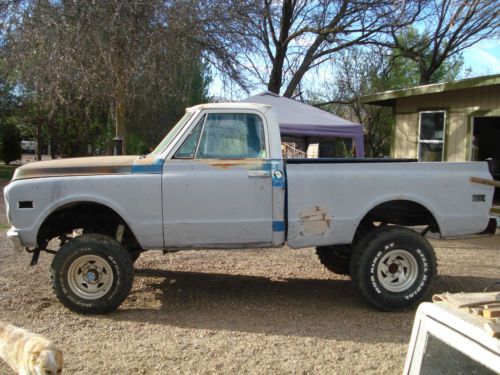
{"type": "Point", "coordinates": [195, 119]}
{"type": "Point", "coordinates": [471, 136]}
{"type": "Point", "coordinates": [452, 338]}
{"type": "Point", "coordinates": [431, 141]}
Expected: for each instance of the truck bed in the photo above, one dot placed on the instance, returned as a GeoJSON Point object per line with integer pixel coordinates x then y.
{"type": "Point", "coordinates": [328, 198]}
{"type": "Point", "coordinates": [346, 160]}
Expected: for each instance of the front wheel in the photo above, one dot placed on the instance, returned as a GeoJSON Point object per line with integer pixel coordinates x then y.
{"type": "Point", "coordinates": [393, 268]}
{"type": "Point", "coordinates": [92, 274]}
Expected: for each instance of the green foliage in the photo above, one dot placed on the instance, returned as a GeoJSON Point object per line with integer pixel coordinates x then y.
{"type": "Point", "coordinates": [363, 71]}
{"type": "Point", "coordinates": [136, 145]}
{"type": "Point", "coordinates": [338, 148]}
{"type": "Point", "coordinates": [407, 69]}
{"type": "Point", "coordinates": [71, 63]}
{"type": "Point", "coordinates": [6, 171]}
{"type": "Point", "coordinates": [10, 149]}
{"type": "Point", "coordinates": [152, 116]}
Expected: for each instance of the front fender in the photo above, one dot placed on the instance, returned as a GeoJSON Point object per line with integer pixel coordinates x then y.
{"type": "Point", "coordinates": [135, 198]}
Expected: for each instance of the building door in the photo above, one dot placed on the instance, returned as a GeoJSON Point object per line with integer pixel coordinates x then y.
{"type": "Point", "coordinates": [486, 146]}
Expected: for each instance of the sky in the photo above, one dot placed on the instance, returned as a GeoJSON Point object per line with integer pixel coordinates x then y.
{"type": "Point", "coordinates": [482, 58]}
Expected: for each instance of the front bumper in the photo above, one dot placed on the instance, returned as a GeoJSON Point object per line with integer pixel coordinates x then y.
{"type": "Point", "coordinates": [13, 236]}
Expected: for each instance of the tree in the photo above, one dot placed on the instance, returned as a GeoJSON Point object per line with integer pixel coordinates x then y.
{"type": "Point", "coordinates": [151, 115]}
{"type": "Point", "coordinates": [299, 35]}
{"type": "Point", "coordinates": [447, 28]}
{"type": "Point", "coordinates": [10, 148]}
{"type": "Point", "coordinates": [82, 64]}
{"type": "Point", "coordinates": [362, 71]}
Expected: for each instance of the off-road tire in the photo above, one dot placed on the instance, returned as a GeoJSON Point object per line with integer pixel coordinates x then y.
{"type": "Point", "coordinates": [93, 255]}
{"type": "Point", "coordinates": [335, 258]}
{"type": "Point", "coordinates": [134, 255]}
{"type": "Point", "coordinates": [393, 268]}
{"type": "Point", "coordinates": [102, 229]}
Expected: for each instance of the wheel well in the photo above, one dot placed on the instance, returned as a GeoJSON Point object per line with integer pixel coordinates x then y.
{"type": "Point", "coordinates": [90, 217]}
{"type": "Point", "coordinates": [400, 212]}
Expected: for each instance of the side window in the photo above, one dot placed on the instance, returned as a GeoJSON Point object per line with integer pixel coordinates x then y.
{"type": "Point", "coordinates": [229, 135]}
{"type": "Point", "coordinates": [188, 148]}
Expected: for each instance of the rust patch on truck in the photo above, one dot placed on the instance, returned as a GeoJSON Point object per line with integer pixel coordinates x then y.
{"type": "Point", "coordinates": [315, 220]}
{"type": "Point", "coordinates": [250, 164]}
{"type": "Point", "coordinates": [86, 166]}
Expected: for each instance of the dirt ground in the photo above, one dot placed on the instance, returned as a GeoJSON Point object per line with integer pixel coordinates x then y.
{"type": "Point", "coordinates": [237, 312]}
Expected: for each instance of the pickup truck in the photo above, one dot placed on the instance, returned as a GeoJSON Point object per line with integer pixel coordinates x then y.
{"type": "Point", "coordinates": [219, 180]}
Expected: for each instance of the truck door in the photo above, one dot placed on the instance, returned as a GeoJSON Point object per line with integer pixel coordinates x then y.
{"type": "Point", "coordinates": [217, 188]}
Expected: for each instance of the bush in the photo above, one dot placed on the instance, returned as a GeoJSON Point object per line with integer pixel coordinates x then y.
{"type": "Point", "coordinates": [10, 149]}
{"type": "Point", "coordinates": [136, 145]}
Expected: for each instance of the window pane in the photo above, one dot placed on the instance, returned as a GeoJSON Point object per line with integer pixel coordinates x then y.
{"type": "Point", "coordinates": [188, 149]}
{"type": "Point", "coordinates": [171, 135]}
{"type": "Point", "coordinates": [431, 152]}
{"type": "Point", "coordinates": [232, 136]}
{"type": "Point", "coordinates": [440, 358]}
{"type": "Point", "coordinates": [431, 125]}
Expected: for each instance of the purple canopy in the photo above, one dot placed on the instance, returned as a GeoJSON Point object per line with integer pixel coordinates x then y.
{"type": "Point", "coordinates": [299, 119]}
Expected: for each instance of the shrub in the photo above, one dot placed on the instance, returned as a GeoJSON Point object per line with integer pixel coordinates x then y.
{"type": "Point", "coordinates": [10, 149]}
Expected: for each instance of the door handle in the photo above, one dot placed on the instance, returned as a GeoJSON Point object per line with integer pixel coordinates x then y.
{"type": "Point", "coordinates": [259, 174]}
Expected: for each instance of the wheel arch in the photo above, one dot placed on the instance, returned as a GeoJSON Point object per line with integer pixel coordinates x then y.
{"type": "Point", "coordinates": [404, 211]}
{"type": "Point", "coordinates": [76, 213]}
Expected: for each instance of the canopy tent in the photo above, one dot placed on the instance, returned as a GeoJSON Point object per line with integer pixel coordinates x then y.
{"type": "Point", "coordinates": [302, 120]}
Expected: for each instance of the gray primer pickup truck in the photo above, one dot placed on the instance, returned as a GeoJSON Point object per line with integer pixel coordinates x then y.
{"type": "Point", "coordinates": [218, 180]}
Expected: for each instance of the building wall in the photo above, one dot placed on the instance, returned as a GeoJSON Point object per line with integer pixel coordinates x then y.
{"type": "Point", "coordinates": [405, 136]}
{"type": "Point", "coordinates": [460, 106]}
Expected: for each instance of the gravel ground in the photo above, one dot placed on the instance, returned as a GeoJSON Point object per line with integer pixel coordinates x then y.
{"type": "Point", "coordinates": [262, 311]}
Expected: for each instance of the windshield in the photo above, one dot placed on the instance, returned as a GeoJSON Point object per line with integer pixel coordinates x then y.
{"type": "Point", "coordinates": [172, 133]}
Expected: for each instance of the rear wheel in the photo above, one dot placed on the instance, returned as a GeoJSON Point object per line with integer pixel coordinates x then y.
{"type": "Point", "coordinates": [393, 267]}
{"type": "Point", "coordinates": [92, 274]}
{"type": "Point", "coordinates": [335, 258]}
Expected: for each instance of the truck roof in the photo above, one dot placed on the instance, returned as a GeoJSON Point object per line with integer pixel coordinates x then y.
{"type": "Point", "coordinates": [237, 105]}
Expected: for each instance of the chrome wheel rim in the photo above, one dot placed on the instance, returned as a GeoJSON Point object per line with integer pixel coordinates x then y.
{"type": "Point", "coordinates": [397, 270]}
{"type": "Point", "coordinates": [90, 277]}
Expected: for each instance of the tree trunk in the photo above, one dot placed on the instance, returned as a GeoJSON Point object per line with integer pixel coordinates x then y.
{"type": "Point", "coordinates": [276, 77]}
{"type": "Point", "coordinates": [304, 66]}
{"type": "Point", "coordinates": [120, 111]}
{"type": "Point", "coordinates": [39, 140]}
{"type": "Point", "coordinates": [425, 73]}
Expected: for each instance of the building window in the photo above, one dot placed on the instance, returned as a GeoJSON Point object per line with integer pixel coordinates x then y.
{"type": "Point", "coordinates": [431, 135]}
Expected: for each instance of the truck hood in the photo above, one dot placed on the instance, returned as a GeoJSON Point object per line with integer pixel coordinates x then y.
{"type": "Point", "coordinates": [101, 165]}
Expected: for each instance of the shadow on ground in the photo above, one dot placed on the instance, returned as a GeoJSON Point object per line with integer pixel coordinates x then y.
{"type": "Point", "coordinates": [328, 309]}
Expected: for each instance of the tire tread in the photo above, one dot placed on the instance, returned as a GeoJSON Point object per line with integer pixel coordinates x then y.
{"type": "Point", "coordinates": [365, 244]}
{"type": "Point", "coordinates": [93, 240]}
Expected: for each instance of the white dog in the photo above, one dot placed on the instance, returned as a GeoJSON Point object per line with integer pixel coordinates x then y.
{"type": "Point", "coordinates": [29, 353]}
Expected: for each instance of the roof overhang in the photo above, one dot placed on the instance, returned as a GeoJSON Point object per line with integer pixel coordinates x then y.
{"type": "Point", "coordinates": [388, 98]}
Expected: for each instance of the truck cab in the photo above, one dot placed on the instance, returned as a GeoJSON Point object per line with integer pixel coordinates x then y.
{"type": "Point", "coordinates": [224, 179]}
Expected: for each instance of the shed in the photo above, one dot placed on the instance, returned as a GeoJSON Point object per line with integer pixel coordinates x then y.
{"type": "Point", "coordinates": [452, 121]}
{"type": "Point", "coordinates": [306, 122]}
